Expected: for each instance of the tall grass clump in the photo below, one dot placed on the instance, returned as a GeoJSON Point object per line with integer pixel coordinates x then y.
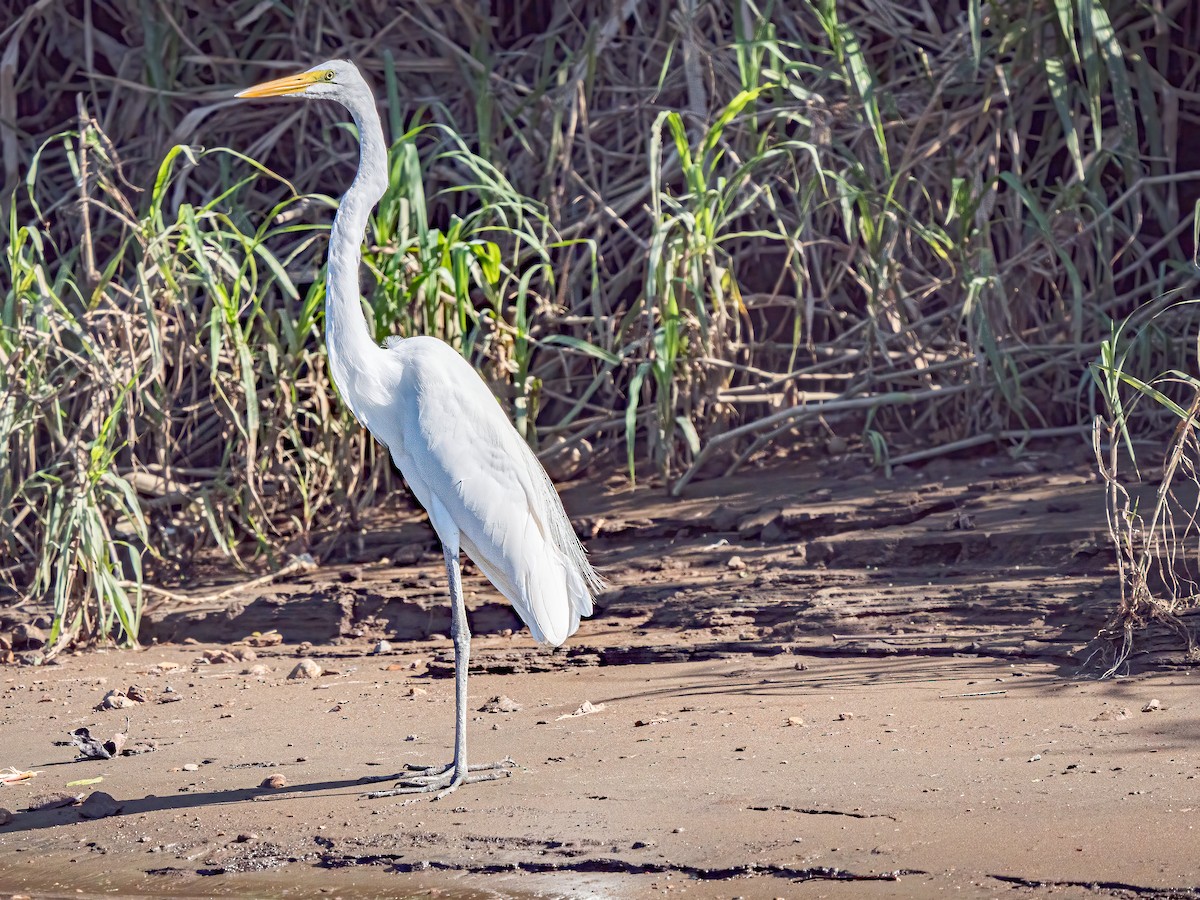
{"type": "Point", "coordinates": [1152, 490]}
{"type": "Point", "coordinates": [674, 238]}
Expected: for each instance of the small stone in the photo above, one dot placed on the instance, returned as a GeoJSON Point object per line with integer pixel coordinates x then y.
{"type": "Point", "coordinates": [246, 836]}
{"type": "Point", "coordinates": [190, 767]}
{"type": "Point", "coordinates": [501, 704]}
{"type": "Point", "coordinates": [1035, 757]}
{"type": "Point", "coordinates": [677, 830]}
{"type": "Point", "coordinates": [415, 691]}
{"type": "Point", "coordinates": [218, 657]}
{"type": "Point", "coordinates": [258, 670]}
{"type": "Point", "coordinates": [5, 816]}
{"type": "Point", "coordinates": [244, 654]}
{"type": "Point", "coordinates": [382, 647]}
{"type": "Point", "coordinates": [274, 782]}
{"type": "Point", "coordinates": [736, 563]}
{"type": "Point", "coordinates": [1152, 706]}
{"type": "Point", "coordinates": [796, 721]}
{"type": "Point", "coordinates": [306, 668]}
{"type": "Point", "coordinates": [99, 806]}
{"type": "Point", "coordinates": [845, 717]}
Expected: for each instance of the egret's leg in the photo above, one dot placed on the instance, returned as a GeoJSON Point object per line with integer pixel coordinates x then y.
{"type": "Point", "coordinates": [446, 778]}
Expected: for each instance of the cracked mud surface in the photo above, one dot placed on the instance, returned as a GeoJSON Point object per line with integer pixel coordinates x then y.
{"type": "Point", "coordinates": [856, 690]}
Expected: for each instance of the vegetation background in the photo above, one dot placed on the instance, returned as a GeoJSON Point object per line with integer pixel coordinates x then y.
{"type": "Point", "coordinates": [672, 236]}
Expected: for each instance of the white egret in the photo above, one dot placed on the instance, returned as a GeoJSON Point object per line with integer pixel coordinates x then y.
{"type": "Point", "coordinates": [483, 488]}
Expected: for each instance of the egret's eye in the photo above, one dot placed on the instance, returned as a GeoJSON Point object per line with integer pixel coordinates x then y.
{"type": "Point", "coordinates": [329, 76]}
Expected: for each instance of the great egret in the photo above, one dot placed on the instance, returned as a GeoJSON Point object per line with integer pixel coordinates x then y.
{"type": "Point", "coordinates": [484, 490]}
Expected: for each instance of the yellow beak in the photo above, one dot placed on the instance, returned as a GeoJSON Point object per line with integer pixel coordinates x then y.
{"type": "Point", "coordinates": [292, 84]}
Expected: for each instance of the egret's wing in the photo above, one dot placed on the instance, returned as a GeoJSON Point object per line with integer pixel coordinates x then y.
{"type": "Point", "coordinates": [467, 464]}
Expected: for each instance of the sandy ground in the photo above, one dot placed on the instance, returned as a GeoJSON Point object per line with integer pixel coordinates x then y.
{"type": "Point", "coordinates": [865, 691]}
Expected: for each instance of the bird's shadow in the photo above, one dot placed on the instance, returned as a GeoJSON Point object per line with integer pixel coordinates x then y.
{"type": "Point", "coordinates": [35, 820]}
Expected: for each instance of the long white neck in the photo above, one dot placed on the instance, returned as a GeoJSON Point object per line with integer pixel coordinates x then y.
{"type": "Point", "coordinates": [346, 333]}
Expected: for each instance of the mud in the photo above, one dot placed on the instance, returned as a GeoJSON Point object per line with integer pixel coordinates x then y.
{"type": "Point", "coordinates": [811, 686]}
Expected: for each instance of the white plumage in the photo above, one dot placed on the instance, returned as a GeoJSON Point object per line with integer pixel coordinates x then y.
{"type": "Point", "coordinates": [485, 491]}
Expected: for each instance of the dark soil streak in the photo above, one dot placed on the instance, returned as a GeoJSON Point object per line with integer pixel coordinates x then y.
{"type": "Point", "coordinates": [1117, 888]}
{"type": "Point", "coordinates": [610, 866]}
{"type": "Point", "coordinates": [821, 812]}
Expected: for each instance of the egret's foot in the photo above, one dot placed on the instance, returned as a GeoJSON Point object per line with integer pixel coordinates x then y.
{"type": "Point", "coordinates": [442, 780]}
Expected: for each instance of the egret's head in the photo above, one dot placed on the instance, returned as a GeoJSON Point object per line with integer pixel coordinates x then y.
{"type": "Point", "coordinates": [335, 79]}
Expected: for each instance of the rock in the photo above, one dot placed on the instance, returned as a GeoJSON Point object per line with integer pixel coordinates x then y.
{"type": "Point", "coordinates": [274, 782]}
{"type": "Point", "coordinates": [796, 721]}
{"type": "Point", "coordinates": [116, 746]}
{"type": "Point", "coordinates": [116, 699]}
{"type": "Point", "coordinates": [135, 693]}
{"type": "Point", "coordinates": [5, 816]}
{"type": "Point", "coordinates": [382, 647]}
{"type": "Point", "coordinates": [218, 657]}
{"type": "Point", "coordinates": [1112, 715]}
{"type": "Point", "coordinates": [190, 767]}
{"type": "Point", "coordinates": [845, 717]}
{"type": "Point", "coordinates": [28, 637]}
{"type": "Point", "coordinates": [415, 691]}
{"type": "Point", "coordinates": [306, 668]}
{"type": "Point", "coordinates": [99, 805]}
{"type": "Point", "coordinates": [501, 704]}
{"type": "Point", "coordinates": [54, 800]}
{"type": "Point", "coordinates": [246, 836]}
{"type": "Point", "coordinates": [244, 654]}
{"type": "Point", "coordinates": [265, 639]}
{"type": "Point", "coordinates": [819, 551]}
{"type": "Point", "coordinates": [1152, 706]}
{"type": "Point", "coordinates": [736, 563]}
{"type": "Point", "coordinates": [258, 670]}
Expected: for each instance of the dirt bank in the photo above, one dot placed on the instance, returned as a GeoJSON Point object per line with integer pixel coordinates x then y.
{"type": "Point", "coordinates": [858, 690]}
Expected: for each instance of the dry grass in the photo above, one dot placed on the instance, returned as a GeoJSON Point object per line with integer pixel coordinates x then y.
{"type": "Point", "coordinates": [751, 225]}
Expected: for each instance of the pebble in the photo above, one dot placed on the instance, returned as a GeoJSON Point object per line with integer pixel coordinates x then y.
{"type": "Point", "coordinates": [217, 657]}
{"type": "Point", "coordinates": [796, 720]}
{"type": "Point", "coordinates": [306, 668]}
{"type": "Point", "coordinates": [736, 563]}
{"type": "Point", "coordinates": [1152, 706]}
{"type": "Point", "coordinates": [190, 767]}
{"type": "Point", "coordinates": [274, 782]}
{"type": "Point", "coordinates": [6, 816]}
{"type": "Point", "coordinates": [382, 647]}
{"type": "Point", "coordinates": [258, 670]}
